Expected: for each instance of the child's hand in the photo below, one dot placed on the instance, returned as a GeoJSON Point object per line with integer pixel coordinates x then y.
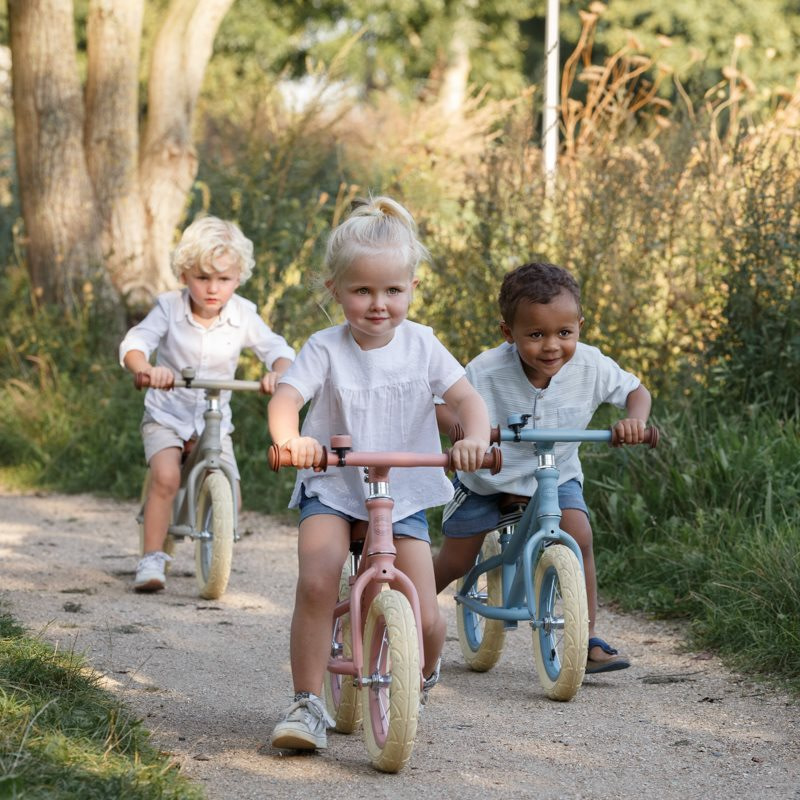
{"type": "Point", "coordinates": [305, 451]}
{"type": "Point", "coordinates": [269, 382]}
{"type": "Point", "coordinates": [161, 377]}
{"type": "Point", "coordinates": [467, 454]}
{"type": "Point", "coordinates": [628, 431]}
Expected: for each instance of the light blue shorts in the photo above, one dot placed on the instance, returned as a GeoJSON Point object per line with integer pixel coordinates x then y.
{"type": "Point", "coordinates": [413, 527]}
{"type": "Point", "coordinates": [470, 513]}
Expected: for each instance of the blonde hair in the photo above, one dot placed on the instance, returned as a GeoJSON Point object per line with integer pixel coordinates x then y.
{"type": "Point", "coordinates": [206, 240]}
{"type": "Point", "coordinates": [376, 225]}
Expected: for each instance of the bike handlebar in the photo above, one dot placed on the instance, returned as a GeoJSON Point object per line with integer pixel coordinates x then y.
{"type": "Point", "coordinates": [493, 460]}
{"type": "Point", "coordinates": [498, 434]}
{"type": "Point", "coordinates": [141, 380]}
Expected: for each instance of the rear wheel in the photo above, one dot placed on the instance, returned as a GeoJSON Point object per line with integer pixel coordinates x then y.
{"type": "Point", "coordinates": [390, 704]}
{"type": "Point", "coordinates": [482, 639]}
{"type": "Point", "coordinates": [561, 638]}
{"type": "Point", "coordinates": [214, 550]}
{"type": "Point", "coordinates": [341, 696]}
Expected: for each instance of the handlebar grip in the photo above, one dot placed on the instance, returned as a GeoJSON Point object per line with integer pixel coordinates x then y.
{"type": "Point", "coordinates": [492, 460]}
{"type": "Point", "coordinates": [141, 380]}
{"type": "Point", "coordinates": [651, 437]}
{"type": "Point", "coordinates": [456, 432]}
{"type": "Point", "coordinates": [283, 458]}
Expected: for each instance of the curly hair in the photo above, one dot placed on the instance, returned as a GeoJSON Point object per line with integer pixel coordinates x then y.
{"type": "Point", "coordinates": [376, 225]}
{"type": "Point", "coordinates": [537, 282]}
{"type": "Point", "coordinates": [208, 238]}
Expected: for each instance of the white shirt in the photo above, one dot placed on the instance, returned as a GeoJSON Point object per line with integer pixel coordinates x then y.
{"type": "Point", "coordinates": [585, 382]}
{"type": "Point", "coordinates": [383, 398]}
{"type": "Point", "coordinates": [214, 353]}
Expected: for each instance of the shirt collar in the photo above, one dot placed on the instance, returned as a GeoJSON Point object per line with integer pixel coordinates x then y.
{"type": "Point", "coordinates": [230, 312]}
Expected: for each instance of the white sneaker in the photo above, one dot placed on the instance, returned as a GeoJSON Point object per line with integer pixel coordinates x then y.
{"type": "Point", "coordinates": [150, 572]}
{"type": "Point", "coordinates": [429, 682]}
{"type": "Point", "coordinates": [303, 725]}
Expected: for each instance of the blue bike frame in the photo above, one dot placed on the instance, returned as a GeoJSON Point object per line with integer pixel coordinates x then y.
{"type": "Point", "coordinates": [522, 548]}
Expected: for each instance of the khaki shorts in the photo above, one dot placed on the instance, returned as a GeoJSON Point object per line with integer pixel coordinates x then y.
{"type": "Point", "coordinates": [157, 437]}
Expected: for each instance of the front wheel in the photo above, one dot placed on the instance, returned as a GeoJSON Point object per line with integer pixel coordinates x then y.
{"type": "Point", "coordinates": [214, 550]}
{"type": "Point", "coordinates": [561, 638]}
{"type": "Point", "coordinates": [341, 696]}
{"type": "Point", "coordinates": [482, 639]}
{"type": "Point", "coordinates": [390, 703]}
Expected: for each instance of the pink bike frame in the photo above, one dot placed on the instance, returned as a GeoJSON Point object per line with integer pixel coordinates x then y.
{"type": "Point", "coordinates": [378, 556]}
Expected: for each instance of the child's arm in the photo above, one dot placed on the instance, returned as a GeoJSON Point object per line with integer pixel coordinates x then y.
{"type": "Point", "coordinates": [284, 427]}
{"type": "Point", "coordinates": [160, 377]}
{"type": "Point", "coordinates": [445, 418]}
{"type": "Point", "coordinates": [469, 408]}
{"type": "Point", "coordinates": [270, 380]}
{"type": "Point", "coordinates": [631, 429]}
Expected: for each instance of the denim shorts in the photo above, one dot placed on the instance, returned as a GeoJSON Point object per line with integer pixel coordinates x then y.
{"type": "Point", "coordinates": [470, 513]}
{"type": "Point", "coordinates": [413, 527]}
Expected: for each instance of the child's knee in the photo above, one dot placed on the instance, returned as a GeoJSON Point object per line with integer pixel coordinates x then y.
{"type": "Point", "coordinates": [316, 588]}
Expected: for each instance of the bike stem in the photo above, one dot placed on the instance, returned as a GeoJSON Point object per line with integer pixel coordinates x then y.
{"type": "Point", "coordinates": [380, 557]}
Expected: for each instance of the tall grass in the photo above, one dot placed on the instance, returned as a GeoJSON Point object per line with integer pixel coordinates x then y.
{"type": "Point", "coordinates": [705, 528]}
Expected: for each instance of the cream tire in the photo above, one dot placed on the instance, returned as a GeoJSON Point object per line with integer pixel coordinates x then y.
{"type": "Point", "coordinates": [215, 516]}
{"type": "Point", "coordinates": [482, 639]}
{"type": "Point", "coordinates": [561, 644]}
{"type": "Point", "coordinates": [341, 696]}
{"type": "Point", "coordinates": [390, 705]}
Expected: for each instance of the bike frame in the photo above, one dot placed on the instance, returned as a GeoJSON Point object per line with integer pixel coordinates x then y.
{"type": "Point", "coordinates": [205, 456]}
{"type": "Point", "coordinates": [377, 562]}
{"type": "Point", "coordinates": [538, 527]}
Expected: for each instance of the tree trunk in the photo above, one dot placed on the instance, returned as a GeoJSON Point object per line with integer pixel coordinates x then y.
{"type": "Point", "coordinates": [58, 204]}
{"type": "Point", "coordinates": [114, 32]}
{"type": "Point", "coordinates": [90, 191]}
{"type": "Point", "coordinates": [169, 161]}
{"type": "Point", "coordinates": [455, 76]}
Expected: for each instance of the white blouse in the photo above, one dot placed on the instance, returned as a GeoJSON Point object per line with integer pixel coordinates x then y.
{"type": "Point", "coordinates": [383, 398]}
{"type": "Point", "coordinates": [214, 353]}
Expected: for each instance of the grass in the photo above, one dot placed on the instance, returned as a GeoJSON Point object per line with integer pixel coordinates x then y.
{"type": "Point", "coordinates": [707, 528]}
{"type": "Point", "coordinates": [63, 736]}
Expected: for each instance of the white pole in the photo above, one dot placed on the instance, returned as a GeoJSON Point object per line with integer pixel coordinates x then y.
{"type": "Point", "coordinates": [551, 80]}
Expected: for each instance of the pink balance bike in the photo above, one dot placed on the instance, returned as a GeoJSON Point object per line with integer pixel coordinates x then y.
{"type": "Point", "coordinates": [380, 654]}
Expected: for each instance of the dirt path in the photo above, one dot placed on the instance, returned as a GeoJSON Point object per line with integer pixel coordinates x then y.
{"type": "Point", "coordinates": [211, 677]}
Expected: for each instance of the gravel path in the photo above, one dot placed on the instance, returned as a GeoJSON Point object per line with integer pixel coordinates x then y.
{"type": "Point", "coordinates": [210, 678]}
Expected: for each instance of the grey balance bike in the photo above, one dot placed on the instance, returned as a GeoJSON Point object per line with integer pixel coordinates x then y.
{"type": "Point", "coordinates": [206, 507]}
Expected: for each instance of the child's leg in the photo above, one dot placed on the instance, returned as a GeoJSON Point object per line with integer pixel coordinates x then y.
{"type": "Point", "coordinates": [414, 558]}
{"type": "Point", "coordinates": [455, 558]}
{"type": "Point", "coordinates": [575, 522]}
{"type": "Point", "coordinates": [577, 525]}
{"type": "Point", "coordinates": [322, 547]}
{"type": "Point", "coordinates": [165, 478]}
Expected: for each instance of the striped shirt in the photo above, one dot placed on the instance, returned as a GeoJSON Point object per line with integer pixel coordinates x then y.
{"type": "Point", "coordinates": [585, 382]}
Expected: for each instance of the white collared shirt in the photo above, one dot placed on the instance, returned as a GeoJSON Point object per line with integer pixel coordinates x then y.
{"type": "Point", "coordinates": [574, 393]}
{"type": "Point", "coordinates": [180, 342]}
{"type": "Point", "coordinates": [383, 398]}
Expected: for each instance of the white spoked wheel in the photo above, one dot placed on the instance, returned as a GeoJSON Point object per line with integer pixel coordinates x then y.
{"type": "Point", "coordinates": [390, 704]}
{"type": "Point", "coordinates": [169, 542]}
{"type": "Point", "coordinates": [341, 696]}
{"type": "Point", "coordinates": [482, 639]}
{"type": "Point", "coordinates": [561, 638]}
{"type": "Point", "coordinates": [214, 551]}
